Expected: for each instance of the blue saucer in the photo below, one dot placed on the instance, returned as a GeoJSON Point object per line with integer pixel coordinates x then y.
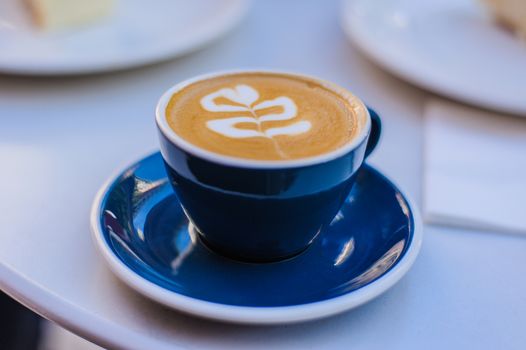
{"type": "Point", "coordinates": [145, 237]}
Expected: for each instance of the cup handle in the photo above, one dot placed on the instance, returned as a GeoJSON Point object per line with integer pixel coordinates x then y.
{"type": "Point", "coordinates": [376, 130]}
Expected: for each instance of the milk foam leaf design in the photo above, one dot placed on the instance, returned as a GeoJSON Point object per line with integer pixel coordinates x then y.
{"type": "Point", "coordinates": [241, 94]}
{"type": "Point", "coordinates": [227, 127]}
{"type": "Point", "coordinates": [294, 129]}
{"type": "Point", "coordinates": [289, 109]}
{"type": "Point", "coordinates": [244, 97]}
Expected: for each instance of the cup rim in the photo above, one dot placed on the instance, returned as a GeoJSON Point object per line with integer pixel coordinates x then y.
{"type": "Point", "coordinates": [178, 141]}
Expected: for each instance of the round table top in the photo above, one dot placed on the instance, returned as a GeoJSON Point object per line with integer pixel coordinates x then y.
{"type": "Point", "coordinates": [61, 138]}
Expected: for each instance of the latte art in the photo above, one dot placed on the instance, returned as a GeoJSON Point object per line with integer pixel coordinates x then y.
{"type": "Point", "coordinates": [246, 96]}
{"type": "Point", "coordinates": [263, 116]}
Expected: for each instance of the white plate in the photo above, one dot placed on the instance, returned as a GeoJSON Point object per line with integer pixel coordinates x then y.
{"type": "Point", "coordinates": [449, 46]}
{"type": "Point", "coordinates": [138, 32]}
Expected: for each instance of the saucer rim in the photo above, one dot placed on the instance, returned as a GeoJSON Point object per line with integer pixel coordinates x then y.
{"type": "Point", "coordinates": [251, 314]}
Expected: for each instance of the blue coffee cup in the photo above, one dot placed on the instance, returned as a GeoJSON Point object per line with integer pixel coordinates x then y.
{"type": "Point", "coordinates": [262, 211]}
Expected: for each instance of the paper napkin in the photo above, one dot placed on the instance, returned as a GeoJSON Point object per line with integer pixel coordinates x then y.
{"type": "Point", "coordinates": [474, 168]}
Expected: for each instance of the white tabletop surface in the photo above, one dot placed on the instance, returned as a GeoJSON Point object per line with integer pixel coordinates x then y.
{"type": "Point", "coordinates": [60, 138]}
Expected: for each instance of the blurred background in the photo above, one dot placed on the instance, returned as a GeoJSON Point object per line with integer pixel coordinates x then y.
{"type": "Point", "coordinates": [461, 62]}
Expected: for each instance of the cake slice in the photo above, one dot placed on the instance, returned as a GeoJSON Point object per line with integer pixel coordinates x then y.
{"type": "Point", "coordinates": [56, 14]}
{"type": "Point", "coordinates": [511, 13]}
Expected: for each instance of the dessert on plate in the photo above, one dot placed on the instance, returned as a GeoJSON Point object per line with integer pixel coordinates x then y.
{"type": "Point", "coordinates": [58, 14]}
{"type": "Point", "coordinates": [511, 13]}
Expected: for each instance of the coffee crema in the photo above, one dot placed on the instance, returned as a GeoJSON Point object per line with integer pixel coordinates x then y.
{"type": "Point", "coordinates": [265, 116]}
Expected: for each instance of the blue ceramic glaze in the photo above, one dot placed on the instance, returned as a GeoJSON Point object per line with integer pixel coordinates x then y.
{"type": "Point", "coordinates": [143, 225]}
{"type": "Point", "coordinates": [262, 213]}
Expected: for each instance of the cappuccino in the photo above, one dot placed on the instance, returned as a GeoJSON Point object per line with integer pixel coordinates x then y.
{"type": "Point", "coordinates": [265, 116]}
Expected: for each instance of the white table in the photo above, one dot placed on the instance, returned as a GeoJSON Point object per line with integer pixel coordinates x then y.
{"type": "Point", "coordinates": [61, 138]}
